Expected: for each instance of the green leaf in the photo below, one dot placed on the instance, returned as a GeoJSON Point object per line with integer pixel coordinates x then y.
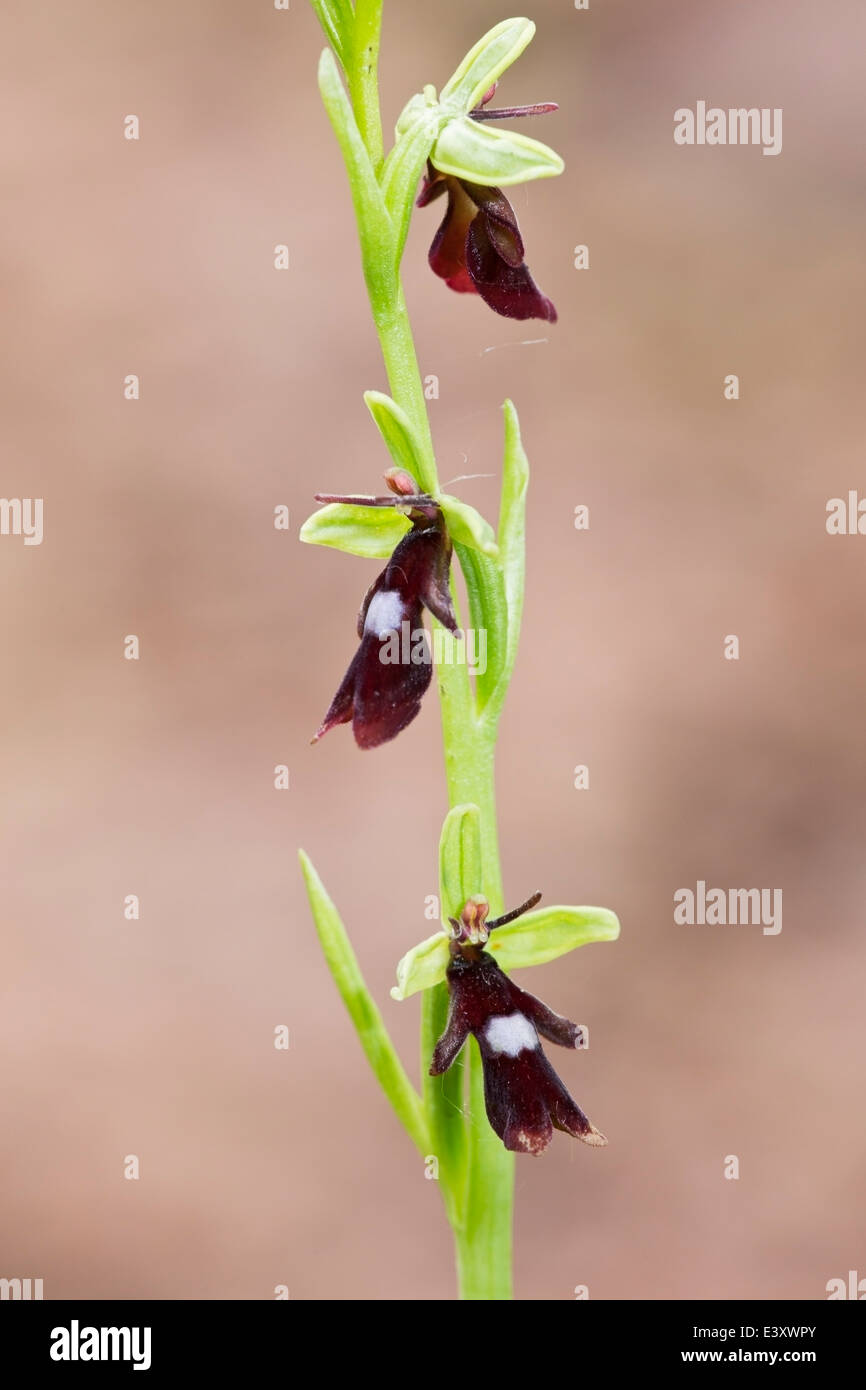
{"type": "Point", "coordinates": [460, 876]}
{"type": "Point", "coordinates": [512, 554]}
{"type": "Point", "coordinates": [337, 20]}
{"type": "Point", "coordinates": [495, 588]}
{"type": "Point", "coordinates": [491, 156]}
{"type": "Point", "coordinates": [468, 526]}
{"type": "Point", "coordinates": [365, 1017]}
{"type": "Point", "coordinates": [486, 62]}
{"type": "Point", "coordinates": [488, 612]}
{"type": "Point", "coordinates": [549, 932]}
{"type": "Point", "coordinates": [512, 524]}
{"type": "Point", "coordinates": [373, 532]}
{"type": "Point", "coordinates": [394, 427]}
{"type": "Point", "coordinates": [423, 966]}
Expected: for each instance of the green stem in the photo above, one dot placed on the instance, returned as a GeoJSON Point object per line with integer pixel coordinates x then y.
{"type": "Point", "coordinates": [469, 767]}
{"type": "Point", "coordinates": [476, 1171]}
{"type": "Point", "coordinates": [388, 303]}
{"type": "Point", "coordinates": [480, 1210]}
{"type": "Point", "coordinates": [484, 1238]}
{"type": "Point", "coordinates": [404, 376]}
{"type": "Point", "coordinates": [479, 1190]}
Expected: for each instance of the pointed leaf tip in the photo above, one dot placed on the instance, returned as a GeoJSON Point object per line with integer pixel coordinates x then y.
{"type": "Point", "coordinates": [337, 19]}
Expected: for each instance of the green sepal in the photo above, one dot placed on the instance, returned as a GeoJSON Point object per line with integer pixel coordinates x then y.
{"type": "Point", "coordinates": [460, 874]}
{"type": "Point", "coordinates": [373, 532]}
{"type": "Point", "coordinates": [467, 526]}
{"type": "Point", "coordinates": [550, 932]}
{"type": "Point", "coordinates": [534, 939]}
{"type": "Point", "coordinates": [486, 62]}
{"type": "Point", "coordinates": [423, 966]}
{"type": "Point", "coordinates": [488, 155]}
{"type": "Point", "coordinates": [460, 878]}
{"type": "Point", "coordinates": [395, 429]}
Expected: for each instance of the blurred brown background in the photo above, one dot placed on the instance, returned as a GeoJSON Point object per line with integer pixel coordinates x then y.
{"type": "Point", "coordinates": [155, 777]}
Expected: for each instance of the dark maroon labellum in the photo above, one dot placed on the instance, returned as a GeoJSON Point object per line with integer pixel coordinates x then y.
{"type": "Point", "coordinates": [478, 248]}
{"type": "Point", "coordinates": [381, 697]}
{"type": "Point", "coordinates": [524, 1097]}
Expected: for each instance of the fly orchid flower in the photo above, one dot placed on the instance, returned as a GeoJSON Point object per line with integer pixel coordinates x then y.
{"type": "Point", "coordinates": [379, 695]}
{"type": "Point", "coordinates": [524, 1097]}
{"type": "Point", "coordinates": [478, 248]}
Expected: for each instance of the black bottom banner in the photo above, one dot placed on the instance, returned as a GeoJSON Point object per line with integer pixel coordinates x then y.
{"type": "Point", "coordinates": [162, 1338]}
